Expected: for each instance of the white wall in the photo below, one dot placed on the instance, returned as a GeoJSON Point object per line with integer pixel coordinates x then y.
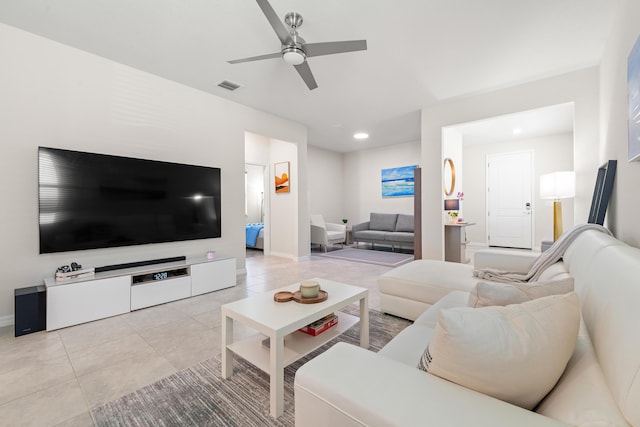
{"type": "Point", "coordinates": [550, 154]}
{"type": "Point", "coordinates": [255, 193]}
{"type": "Point", "coordinates": [283, 224]}
{"type": "Point", "coordinates": [362, 174]}
{"type": "Point", "coordinates": [256, 149]}
{"type": "Point", "coordinates": [580, 87]}
{"type": "Point", "coordinates": [622, 216]}
{"type": "Point", "coordinates": [326, 184]}
{"type": "Point", "coordinates": [54, 95]}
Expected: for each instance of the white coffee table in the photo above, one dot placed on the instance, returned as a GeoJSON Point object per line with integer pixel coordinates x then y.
{"type": "Point", "coordinates": [277, 320]}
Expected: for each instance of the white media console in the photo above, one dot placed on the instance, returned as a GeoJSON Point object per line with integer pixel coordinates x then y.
{"type": "Point", "coordinates": [120, 291]}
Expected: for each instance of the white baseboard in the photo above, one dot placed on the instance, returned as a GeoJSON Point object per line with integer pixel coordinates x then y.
{"type": "Point", "coordinates": [475, 245]}
{"type": "Point", "coordinates": [283, 255]}
{"type": "Point", "coordinates": [7, 320]}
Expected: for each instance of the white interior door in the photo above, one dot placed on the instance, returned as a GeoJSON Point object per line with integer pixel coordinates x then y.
{"type": "Point", "coordinates": [509, 196]}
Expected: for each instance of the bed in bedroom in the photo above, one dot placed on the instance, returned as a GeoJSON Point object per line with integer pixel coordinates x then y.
{"type": "Point", "coordinates": [255, 235]}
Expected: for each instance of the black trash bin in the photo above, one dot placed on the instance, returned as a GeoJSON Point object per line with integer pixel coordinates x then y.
{"type": "Point", "coordinates": [30, 309]}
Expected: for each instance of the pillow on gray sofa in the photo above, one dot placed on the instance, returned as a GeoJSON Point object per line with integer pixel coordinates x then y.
{"type": "Point", "coordinates": [382, 222]}
{"type": "Point", "coordinates": [404, 223]}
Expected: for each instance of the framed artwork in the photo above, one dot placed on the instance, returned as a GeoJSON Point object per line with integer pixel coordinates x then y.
{"type": "Point", "coordinates": [398, 182]}
{"type": "Point", "coordinates": [633, 86]}
{"type": "Point", "coordinates": [281, 173]}
{"type": "Point", "coordinates": [602, 192]}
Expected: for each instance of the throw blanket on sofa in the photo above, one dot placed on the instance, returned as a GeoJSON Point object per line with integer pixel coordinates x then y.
{"type": "Point", "coordinates": [548, 258]}
{"type": "Point", "coordinates": [252, 231]}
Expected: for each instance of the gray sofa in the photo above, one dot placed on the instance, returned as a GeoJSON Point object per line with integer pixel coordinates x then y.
{"type": "Point", "coordinates": [385, 229]}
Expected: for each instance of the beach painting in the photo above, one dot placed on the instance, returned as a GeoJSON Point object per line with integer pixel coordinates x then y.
{"type": "Point", "coordinates": [633, 83]}
{"type": "Point", "coordinates": [281, 171]}
{"type": "Point", "coordinates": [398, 182]}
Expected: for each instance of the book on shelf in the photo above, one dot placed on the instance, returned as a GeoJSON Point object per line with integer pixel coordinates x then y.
{"type": "Point", "coordinates": [320, 326]}
{"type": "Point", "coordinates": [314, 328]}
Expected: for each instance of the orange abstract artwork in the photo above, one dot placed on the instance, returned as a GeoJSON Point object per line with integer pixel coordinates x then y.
{"type": "Point", "coordinates": [282, 177]}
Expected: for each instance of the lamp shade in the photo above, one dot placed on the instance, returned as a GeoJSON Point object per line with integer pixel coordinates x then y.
{"type": "Point", "coordinates": [451, 204]}
{"type": "Point", "coordinates": [558, 185]}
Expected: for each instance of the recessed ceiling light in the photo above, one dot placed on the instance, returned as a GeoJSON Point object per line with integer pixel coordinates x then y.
{"type": "Point", "coordinates": [517, 131]}
{"type": "Point", "coordinates": [361, 135]}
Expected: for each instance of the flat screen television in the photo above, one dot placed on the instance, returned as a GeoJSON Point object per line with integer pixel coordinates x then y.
{"type": "Point", "coordinates": [91, 201]}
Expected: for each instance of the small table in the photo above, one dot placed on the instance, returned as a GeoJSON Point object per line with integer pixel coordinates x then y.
{"type": "Point", "coordinates": [349, 236]}
{"type": "Point", "coordinates": [277, 320]}
{"type": "Point", "coordinates": [455, 241]}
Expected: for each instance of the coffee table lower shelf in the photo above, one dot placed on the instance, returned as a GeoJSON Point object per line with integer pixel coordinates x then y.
{"type": "Point", "coordinates": [296, 345]}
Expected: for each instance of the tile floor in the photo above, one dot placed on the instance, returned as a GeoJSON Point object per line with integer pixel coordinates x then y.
{"type": "Point", "coordinates": [54, 378]}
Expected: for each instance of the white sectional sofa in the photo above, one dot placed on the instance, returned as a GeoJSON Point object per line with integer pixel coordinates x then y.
{"type": "Point", "coordinates": [407, 291]}
{"type": "Point", "coordinates": [600, 386]}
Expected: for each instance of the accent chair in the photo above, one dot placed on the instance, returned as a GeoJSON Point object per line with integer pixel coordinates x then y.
{"type": "Point", "coordinates": [326, 233]}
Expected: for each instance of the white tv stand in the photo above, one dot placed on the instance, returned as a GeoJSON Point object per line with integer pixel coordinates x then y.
{"type": "Point", "coordinates": [120, 291]}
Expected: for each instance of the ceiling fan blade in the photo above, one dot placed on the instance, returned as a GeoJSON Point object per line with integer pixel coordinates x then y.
{"type": "Point", "coordinates": [306, 74]}
{"type": "Point", "coordinates": [329, 48]}
{"type": "Point", "coordinates": [256, 58]}
{"type": "Point", "coordinates": [276, 23]}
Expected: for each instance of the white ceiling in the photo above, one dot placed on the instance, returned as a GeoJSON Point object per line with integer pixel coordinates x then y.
{"type": "Point", "coordinates": [420, 52]}
{"type": "Point", "coordinates": [552, 120]}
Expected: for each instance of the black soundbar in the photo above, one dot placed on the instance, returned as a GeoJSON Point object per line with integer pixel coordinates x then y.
{"type": "Point", "coordinates": [139, 263]}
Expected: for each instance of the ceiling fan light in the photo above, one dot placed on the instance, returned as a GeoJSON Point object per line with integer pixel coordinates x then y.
{"type": "Point", "coordinates": [293, 56]}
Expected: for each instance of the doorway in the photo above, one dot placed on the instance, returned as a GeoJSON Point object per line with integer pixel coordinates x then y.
{"type": "Point", "coordinates": [546, 132]}
{"type": "Point", "coordinates": [254, 207]}
{"type": "Point", "coordinates": [510, 199]}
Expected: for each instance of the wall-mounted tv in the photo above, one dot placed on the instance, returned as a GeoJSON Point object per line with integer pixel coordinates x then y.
{"type": "Point", "coordinates": [90, 201]}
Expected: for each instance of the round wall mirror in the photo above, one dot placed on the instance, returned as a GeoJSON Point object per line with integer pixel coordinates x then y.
{"type": "Point", "coordinates": [449, 176]}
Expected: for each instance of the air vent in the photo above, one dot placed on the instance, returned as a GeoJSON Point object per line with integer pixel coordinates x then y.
{"type": "Point", "coordinates": [226, 84]}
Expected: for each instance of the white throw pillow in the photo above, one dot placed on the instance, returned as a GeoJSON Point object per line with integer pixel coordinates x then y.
{"type": "Point", "coordinates": [485, 294]}
{"type": "Point", "coordinates": [515, 353]}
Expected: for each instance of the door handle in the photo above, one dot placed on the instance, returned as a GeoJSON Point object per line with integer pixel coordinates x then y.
{"type": "Point", "coordinates": [527, 208]}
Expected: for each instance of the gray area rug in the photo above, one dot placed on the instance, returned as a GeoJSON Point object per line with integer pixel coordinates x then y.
{"type": "Point", "coordinates": [199, 396]}
{"type": "Point", "coordinates": [389, 259]}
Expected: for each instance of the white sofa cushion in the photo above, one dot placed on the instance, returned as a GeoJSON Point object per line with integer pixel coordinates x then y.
{"type": "Point", "coordinates": [581, 396]}
{"type": "Point", "coordinates": [486, 294]}
{"type": "Point", "coordinates": [555, 271]}
{"type": "Point", "coordinates": [427, 280]}
{"type": "Point", "coordinates": [407, 347]}
{"type": "Point", "coordinates": [514, 353]}
{"type": "Point", "coordinates": [610, 295]}
{"type": "Point", "coordinates": [350, 386]}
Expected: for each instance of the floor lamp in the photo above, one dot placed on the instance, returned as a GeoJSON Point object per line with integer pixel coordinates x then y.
{"type": "Point", "coordinates": [556, 186]}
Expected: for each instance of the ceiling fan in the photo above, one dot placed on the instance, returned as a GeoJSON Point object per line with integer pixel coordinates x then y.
{"type": "Point", "coordinates": [295, 50]}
